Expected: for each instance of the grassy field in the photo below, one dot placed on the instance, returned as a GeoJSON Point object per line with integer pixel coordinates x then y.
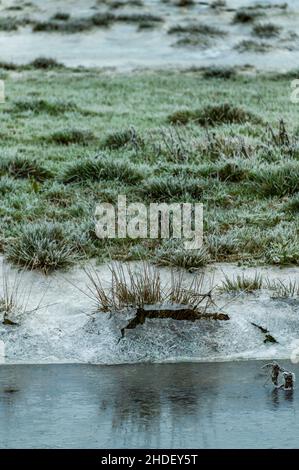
{"type": "Point", "coordinates": [71, 139]}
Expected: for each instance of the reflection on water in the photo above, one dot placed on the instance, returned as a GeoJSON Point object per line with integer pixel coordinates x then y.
{"type": "Point", "coordinates": [280, 397]}
{"type": "Point", "coordinates": [151, 405]}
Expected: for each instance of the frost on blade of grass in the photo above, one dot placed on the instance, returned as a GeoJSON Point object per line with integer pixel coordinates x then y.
{"type": "Point", "coordinates": [43, 246]}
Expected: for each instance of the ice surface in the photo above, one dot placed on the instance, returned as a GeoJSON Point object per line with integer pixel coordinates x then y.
{"type": "Point", "coordinates": [66, 329]}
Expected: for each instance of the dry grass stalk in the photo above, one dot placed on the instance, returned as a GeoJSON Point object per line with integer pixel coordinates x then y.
{"type": "Point", "coordinates": [143, 287]}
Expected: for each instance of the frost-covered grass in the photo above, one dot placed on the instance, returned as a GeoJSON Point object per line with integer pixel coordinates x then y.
{"type": "Point", "coordinates": [73, 138]}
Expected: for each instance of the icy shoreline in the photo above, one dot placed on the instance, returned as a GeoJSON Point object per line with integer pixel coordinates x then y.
{"type": "Point", "coordinates": [65, 329]}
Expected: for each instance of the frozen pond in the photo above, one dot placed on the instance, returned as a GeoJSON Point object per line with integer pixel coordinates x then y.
{"type": "Point", "coordinates": [219, 405]}
{"type": "Point", "coordinates": [125, 45]}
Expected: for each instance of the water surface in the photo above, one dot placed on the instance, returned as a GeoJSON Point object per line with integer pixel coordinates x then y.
{"type": "Point", "coordinates": [214, 405]}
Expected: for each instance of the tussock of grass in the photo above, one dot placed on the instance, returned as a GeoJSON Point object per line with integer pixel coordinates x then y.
{"type": "Point", "coordinates": [8, 66]}
{"type": "Point", "coordinates": [22, 167]}
{"type": "Point", "coordinates": [45, 63]}
{"type": "Point", "coordinates": [61, 16]}
{"type": "Point", "coordinates": [197, 28]}
{"type": "Point", "coordinates": [101, 19]}
{"type": "Point", "coordinates": [167, 188]}
{"type": "Point", "coordinates": [232, 171]}
{"type": "Point", "coordinates": [213, 115]}
{"type": "Point", "coordinates": [175, 255]}
{"type": "Point", "coordinates": [192, 40]}
{"type": "Point", "coordinates": [138, 18]}
{"type": "Point", "coordinates": [185, 3]}
{"type": "Point", "coordinates": [276, 180]}
{"type": "Point", "coordinates": [266, 30]}
{"type": "Point", "coordinates": [119, 139]}
{"type": "Point", "coordinates": [15, 7]}
{"type": "Point", "coordinates": [41, 246]}
{"type": "Point", "coordinates": [253, 46]}
{"type": "Point", "coordinates": [292, 205]}
{"type": "Point", "coordinates": [241, 283]}
{"type": "Point", "coordinates": [246, 16]}
{"type": "Point", "coordinates": [146, 25]}
{"type": "Point", "coordinates": [102, 168]}
{"type": "Point", "coordinates": [283, 289]}
{"type": "Point", "coordinates": [8, 298]}
{"type": "Point", "coordinates": [72, 136]}
{"type": "Point", "coordinates": [115, 4]}
{"type": "Point", "coordinates": [226, 73]}
{"type": "Point", "coordinates": [14, 297]}
{"type": "Point", "coordinates": [143, 287]}
{"type": "Point", "coordinates": [127, 289]}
